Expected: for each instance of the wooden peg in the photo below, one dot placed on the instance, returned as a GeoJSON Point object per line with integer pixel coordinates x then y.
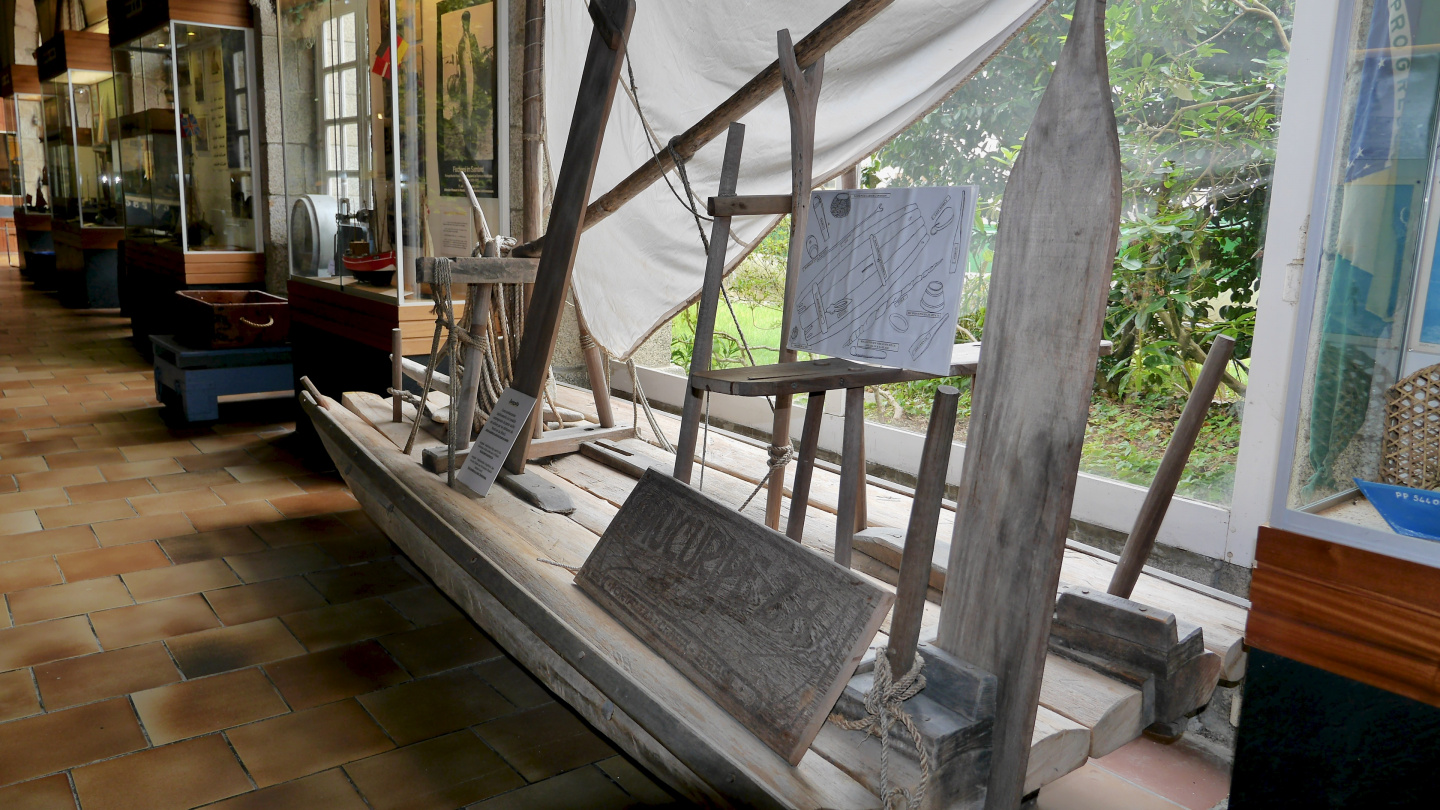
{"type": "Point", "coordinates": [397, 371]}
{"type": "Point", "coordinates": [805, 466]}
{"type": "Point", "coordinates": [314, 393]}
{"type": "Point", "coordinates": [914, 577]}
{"type": "Point", "coordinates": [1172, 465]}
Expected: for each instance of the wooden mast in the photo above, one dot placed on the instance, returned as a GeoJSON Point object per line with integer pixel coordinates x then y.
{"type": "Point", "coordinates": [802, 96]}
{"type": "Point", "coordinates": [532, 110]}
{"type": "Point", "coordinates": [1053, 258]}
{"type": "Point", "coordinates": [603, 62]}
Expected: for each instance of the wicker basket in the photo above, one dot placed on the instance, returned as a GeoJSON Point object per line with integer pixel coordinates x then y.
{"type": "Point", "coordinates": [1410, 452]}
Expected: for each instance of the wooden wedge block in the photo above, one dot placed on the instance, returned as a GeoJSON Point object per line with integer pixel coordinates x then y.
{"type": "Point", "coordinates": [1058, 746]}
{"type": "Point", "coordinates": [767, 628]}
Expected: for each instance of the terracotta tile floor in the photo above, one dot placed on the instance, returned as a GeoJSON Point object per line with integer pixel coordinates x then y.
{"type": "Point", "coordinates": [1144, 775]}
{"type": "Point", "coordinates": [193, 617]}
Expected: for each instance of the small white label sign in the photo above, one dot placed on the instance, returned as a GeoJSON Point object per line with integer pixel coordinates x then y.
{"type": "Point", "coordinates": [487, 455]}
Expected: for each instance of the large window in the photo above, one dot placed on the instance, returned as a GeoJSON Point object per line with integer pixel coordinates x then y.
{"type": "Point", "coordinates": [1379, 230]}
{"type": "Point", "coordinates": [341, 69]}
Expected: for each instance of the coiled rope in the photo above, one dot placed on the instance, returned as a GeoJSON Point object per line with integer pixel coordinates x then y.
{"type": "Point", "coordinates": [884, 705]}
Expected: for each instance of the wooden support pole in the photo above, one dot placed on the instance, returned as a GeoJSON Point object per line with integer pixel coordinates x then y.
{"type": "Point", "coordinates": [709, 307]}
{"type": "Point", "coordinates": [532, 199]}
{"type": "Point", "coordinates": [598, 82]}
{"type": "Point", "coordinates": [914, 576]}
{"type": "Point", "coordinates": [599, 383]}
{"type": "Point", "coordinates": [1054, 253]}
{"type": "Point", "coordinates": [397, 374]}
{"type": "Point", "coordinates": [850, 178]}
{"type": "Point", "coordinates": [850, 474]}
{"type": "Point", "coordinates": [462, 406]}
{"type": "Point", "coordinates": [805, 466]}
{"type": "Point", "coordinates": [810, 50]}
{"type": "Point", "coordinates": [532, 111]}
{"type": "Point", "coordinates": [802, 95]}
{"type": "Point", "coordinates": [1172, 465]}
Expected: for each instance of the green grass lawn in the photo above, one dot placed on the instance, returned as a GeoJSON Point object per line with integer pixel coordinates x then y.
{"type": "Point", "coordinates": [759, 324]}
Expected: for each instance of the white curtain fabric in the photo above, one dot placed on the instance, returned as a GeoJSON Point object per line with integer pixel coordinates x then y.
{"type": "Point", "coordinates": [645, 263]}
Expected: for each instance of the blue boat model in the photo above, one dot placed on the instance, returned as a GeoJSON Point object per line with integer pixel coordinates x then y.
{"type": "Point", "coordinates": [1409, 511]}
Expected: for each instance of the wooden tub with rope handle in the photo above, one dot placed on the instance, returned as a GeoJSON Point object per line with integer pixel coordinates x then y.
{"type": "Point", "coordinates": [231, 319]}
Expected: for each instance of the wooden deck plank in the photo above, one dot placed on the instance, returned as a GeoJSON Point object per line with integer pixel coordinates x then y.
{"type": "Point", "coordinates": [1114, 712]}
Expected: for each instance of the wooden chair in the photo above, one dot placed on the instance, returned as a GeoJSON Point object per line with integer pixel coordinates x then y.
{"type": "Point", "coordinates": [788, 377]}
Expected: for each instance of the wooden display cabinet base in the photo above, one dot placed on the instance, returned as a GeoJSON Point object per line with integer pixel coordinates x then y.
{"type": "Point", "coordinates": [87, 265]}
{"type": "Point", "coordinates": [37, 248]}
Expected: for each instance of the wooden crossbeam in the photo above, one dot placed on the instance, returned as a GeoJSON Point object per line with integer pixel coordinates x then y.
{"type": "Point", "coordinates": [480, 270]}
{"type": "Point", "coordinates": [747, 206]}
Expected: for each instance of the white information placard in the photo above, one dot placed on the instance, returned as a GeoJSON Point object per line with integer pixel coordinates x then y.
{"type": "Point", "coordinates": [487, 455]}
{"type": "Point", "coordinates": [883, 274]}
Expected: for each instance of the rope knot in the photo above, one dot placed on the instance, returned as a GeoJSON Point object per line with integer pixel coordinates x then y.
{"type": "Point", "coordinates": [884, 705]}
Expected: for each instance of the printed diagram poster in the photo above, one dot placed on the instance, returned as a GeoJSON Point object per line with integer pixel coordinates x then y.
{"type": "Point", "coordinates": [466, 107]}
{"type": "Point", "coordinates": [882, 275]}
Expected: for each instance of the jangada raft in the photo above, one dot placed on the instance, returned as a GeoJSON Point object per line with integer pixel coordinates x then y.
{"type": "Point", "coordinates": [628, 593]}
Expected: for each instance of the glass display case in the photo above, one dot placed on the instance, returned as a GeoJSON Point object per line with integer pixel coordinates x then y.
{"type": "Point", "coordinates": [185, 143]}
{"type": "Point", "coordinates": [79, 111]}
{"type": "Point", "coordinates": [11, 182]}
{"type": "Point", "coordinates": [381, 117]}
{"type": "Point", "coordinates": [27, 155]}
{"type": "Point", "coordinates": [30, 137]}
{"type": "Point", "coordinates": [1363, 406]}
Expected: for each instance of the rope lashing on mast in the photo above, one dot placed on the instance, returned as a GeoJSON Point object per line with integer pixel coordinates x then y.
{"type": "Point", "coordinates": [884, 705]}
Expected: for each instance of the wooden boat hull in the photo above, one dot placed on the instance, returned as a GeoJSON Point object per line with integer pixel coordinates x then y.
{"type": "Point", "coordinates": [484, 555]}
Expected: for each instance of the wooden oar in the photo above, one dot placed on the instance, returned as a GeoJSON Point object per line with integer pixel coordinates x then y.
{"type": "Point", "coordinates": [1053, 257]}
{"type": "Point", "coordinates": [1147, 524]}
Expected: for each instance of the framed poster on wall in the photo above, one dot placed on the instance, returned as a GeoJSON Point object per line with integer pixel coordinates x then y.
{"type": "Point", "coordinates": [465, 106]}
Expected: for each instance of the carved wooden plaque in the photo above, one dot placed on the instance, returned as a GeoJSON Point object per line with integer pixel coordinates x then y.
{"type": "Point", "coordinates": [769, 629]}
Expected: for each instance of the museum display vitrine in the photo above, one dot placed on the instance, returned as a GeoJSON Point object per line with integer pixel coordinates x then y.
{"type": "Point", "coordinates": [79, 113]}
{"type": "Point", "coordinates": [186, 140]}
{"type": "Point", "coordinates": [11, 182]}
{"type": "Point", "coordinates": [20, 89]}
{"type": "Point", "coordinates": [186, 111]}
{"type": "Point", "coordinates": [384, 107]}
{"type": "Point", "coordinates": [1361, 460]}
{"type": "Point", "coordinates": [77, 108]}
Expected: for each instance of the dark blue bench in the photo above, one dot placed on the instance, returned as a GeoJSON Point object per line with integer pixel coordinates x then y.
{"type": "Point", "coordinates": [191, 381]}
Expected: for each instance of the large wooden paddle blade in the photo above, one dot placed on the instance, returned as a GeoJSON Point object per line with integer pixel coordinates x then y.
{"type": "Point", "coordinates": [769, 629]}
{"type": "Point", "coordinates": [1053, 257]}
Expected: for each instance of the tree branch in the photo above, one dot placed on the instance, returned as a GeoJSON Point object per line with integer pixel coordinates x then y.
{"type": "Point", "coordinates": [1274, 20]}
